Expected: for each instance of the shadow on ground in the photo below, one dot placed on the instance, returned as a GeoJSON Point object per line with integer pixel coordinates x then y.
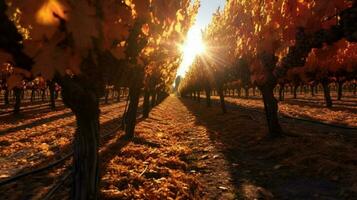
{"type": "Point", "coordinates": [255, 162]}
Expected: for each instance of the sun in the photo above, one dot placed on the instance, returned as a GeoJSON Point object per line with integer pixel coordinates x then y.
{"type": "Point", "coordinates": [192, 47]}
{"type": "Point", "coordinates": [194, 44]}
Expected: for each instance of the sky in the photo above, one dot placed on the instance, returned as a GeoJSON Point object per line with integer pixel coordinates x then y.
{"type": "Point", "coordinates": [208, 7]}
{"type": "Point", "coordinates": [204, 16]}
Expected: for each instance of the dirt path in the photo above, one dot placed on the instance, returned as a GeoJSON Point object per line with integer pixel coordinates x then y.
{"type": "Point", "coordinates": [205, 158]}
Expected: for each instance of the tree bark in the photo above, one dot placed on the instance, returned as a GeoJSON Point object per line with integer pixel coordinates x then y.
{"type": "Point", "coordinates": [17, 93]}
{"type": "Point", "coordinates": [295, 91]}
{"type": "Point", "coordinates": [239, 92]}
{"type": "Point", "coordinates": [281, 92]}
{"type": "Point", "coordinates": [43, 94]}
{"type": "Point", "coordinates": [271, 111]}
{"type": "Point", "coordinates": [130, 121]}
{"type": "Point", "coordinates": [221, 98]}
{"type": "Point", "coordinates": [246, 90]}
{"type": "Point", "coordinates": [199, 96]}
{"type": "Point", "coordinates": [317, 89]}
{"type": "Point", "coordinates": [84, 102]}
{"type": "Point", "coordinates": [51, 86]}
{"type": "Point", "coordinates": [339, 90]}
{"type": "Point", "coordinates": [153, 98]}
{"type": "Point", "coordinates": [32, 95]}
{"type": "Point", "coordinates": [146, 105]}
{"type": "Point", "coordinates": [312, 90]}
{"type": "Point", "coordinates": [118, 93]}
{"type": "Point", "coordinates": [6, 97]}
{"type": "Point", "coordinates": [86, 145]}
{"type": "Point", "coordinates": [301, 89]}
{"type": "Point", "coordinates": [106, 97]}
{"type": "Point", "coordinates": [208, 97]}
{"type": "Point", "coordinates": [327, 95]}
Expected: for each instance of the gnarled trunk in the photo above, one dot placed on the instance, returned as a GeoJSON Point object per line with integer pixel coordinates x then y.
{"type": "Point", "coordinates": [33, 95]}
{"type": "Point", "coordinates": [43, 94]}
{"type": "Point", "coordinates": [301, 89]}
{"type": "Point", "coordinates": [51, 86]}
{"type": "Point", "coordinates": [295, 91]}
{"type": "Point", "coordinates": [339, 90]}
{"type": "Point", "coordinates": [312, 90]}
{"type": "Point", "coordinates": [86, 145]}
{"type": "Point", "coordinates": [134, 96]}
{"type": "Point", "coordinates": [327, 95]}
{"type": "Point", "coordinates": [84, 103]}
{"type": "Point", "coordinates": [271, 110]}
{"type": "Point", "coordinates": [106, 97]}
{"type": "Point", "coordinates": [208, 97]}
{"type": "Point", "coordinates": [130, 121]}
{"type": "Point", "coordinates": [281, 92]}
{"type": "Point", "coordinates": [317, 89]}
{"type": "Point", "coordinates": [239, 92]}
{"type": "Point", "coordinates": [153, 98]}
{"type": "Point", "coordinates": [146, 105]}
{"type": "Point", "coordinates": [17, 93]}
{"type": "Point", "coordinates": [246, 90]}
{"type": "Point", "coordinates": [221, 99]}
{"type": "Point", "coordinates": [6, 96]}
{"type": "Point", "coordinates": [118, 93]}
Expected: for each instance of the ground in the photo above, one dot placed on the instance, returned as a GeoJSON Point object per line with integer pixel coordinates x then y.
{"type": "Point", "coordinates": [343, 112]}
{"type": "Point", "coordinates": [187, 151]}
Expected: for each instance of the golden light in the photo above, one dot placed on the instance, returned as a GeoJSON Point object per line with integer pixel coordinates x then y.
{"type": "Point", "coordinates": [192, 47]}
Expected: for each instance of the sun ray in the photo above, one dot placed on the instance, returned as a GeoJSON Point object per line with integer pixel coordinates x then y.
{"type": "Point", "coordinates": [192, 47]}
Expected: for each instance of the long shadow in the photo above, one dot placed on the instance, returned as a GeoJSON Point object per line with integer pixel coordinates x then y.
{"type": "Point", "coordinates": [343, 105]}
{"type": "Point", "coordinates": [286, 118]}
{"type": "Point", "coordinates": [114, 149]}
{"type": "Point", "coordinates": [336, 106]}
{"type": "Point", "coordinates": [236, 135]}
{"type": "Point", "coordinates": [28, 109]}
{"type": "Point", "coordinates": [12, 119]}
{"type": "Point", "coordinates": [234, 106]}
{"type": "Point", "coordinates": [31, 107]}
{"type": "Point", "coordinates": [28, 114]}
{"type": "Point", "coordinates": [320, 98]}
{"type": "Point", "coordinates": [35, 123]}
{"type": "Point", "coordinates": [26, 106]}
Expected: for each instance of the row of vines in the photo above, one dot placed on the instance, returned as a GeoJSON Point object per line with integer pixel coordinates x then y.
{"type": "Point", "coordinates": [269, 44]}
